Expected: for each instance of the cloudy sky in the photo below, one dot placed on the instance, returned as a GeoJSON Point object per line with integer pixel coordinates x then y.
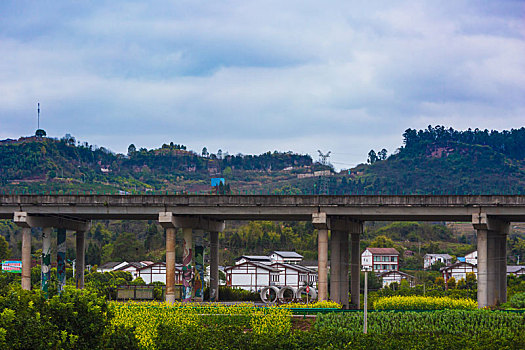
{"type": "Point", "coordinates": [252, 76]}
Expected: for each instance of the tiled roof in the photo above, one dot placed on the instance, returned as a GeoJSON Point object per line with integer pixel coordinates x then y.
{"type": "Point", "coordinates": [383, 251]}
{"type": "Point", "coordinates": [383, 274]}
{"type": "Point", "coordinates": [109, 265]}
{"type": "Point", "coordinates": [262, 266]}
{"type": "Point", "coordinates": [294, 267]}
{"type": "Point", "coordinates": [515, 268]}
{"type": "Point", "coordinates": [445, 256]}
{"type": "Point", "coordinates": [455, 265]}
{"type": "Point", "coordinates": [254, 257]}
{"type": "Point", "coordinates": [288, 254]}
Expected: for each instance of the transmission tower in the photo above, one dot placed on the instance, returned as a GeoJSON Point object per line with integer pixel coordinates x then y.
{"type": "Point", "coordinates": [324, 159]}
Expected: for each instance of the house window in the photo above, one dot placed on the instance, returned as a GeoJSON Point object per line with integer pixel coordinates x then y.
{"type": "Point", "coordinates": [393, 258]}
{"type": "Point", "coordinates": [385, 258]}
{"type": "Point", "coordinates": [377, 258]}
{"type": "Point", "coordinates": [275, 278]}
{"type": "Point", "coordinates": [377, 267]}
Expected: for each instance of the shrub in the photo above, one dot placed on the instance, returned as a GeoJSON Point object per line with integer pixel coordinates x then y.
{"type": "Point", "coordinates": [423, 303]}
{"type": "Point", "coordinates": [80, 313]}
{"type": "Point", "coordinates": [518, 301]}
{"type": "Point", "coordinates": [233, 294]}
{"type": "Point", "coordinates": [76, 319]}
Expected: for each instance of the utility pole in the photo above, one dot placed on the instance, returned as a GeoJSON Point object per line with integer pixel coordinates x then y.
{"type": "Point", "coordinates": [365, 323]}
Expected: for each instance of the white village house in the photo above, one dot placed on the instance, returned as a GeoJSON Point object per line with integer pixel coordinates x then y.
{"type": "Point", "coordinates": [396, 276]}
{"type": "Point", "coordinates": [157, 273]}
{"type": "Point", "coordinates": [286, 257]}
{"type": "Point", "coordinates": [294, 275]}
{"type": "Point", "coordinates": [250, 273]}
{"type": "Point", "coordinates": [380, 259]}
{"type": "Point", "coordinates": [252, 276]}
{"type": "Point", "coordinates": [431, 259]}
{"type": "Point", "coordinates": [458, 270]}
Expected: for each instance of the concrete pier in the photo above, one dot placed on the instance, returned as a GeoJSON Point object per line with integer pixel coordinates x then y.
{"type": "Point", "coordinates": [187, 264]}
{"type": "Point", "coordinates": [214, 266]}
{"type": "Point", "coordinates": [355, 267]}
{"type": "Point", "coordinates": [26, 258]}
{"type": "Point", "coordinates": [492, 259]}
{"type": "Point", "coordinates": [167, 221]}
{"type": "Point", "coordinates": [343, 272]}
{"type": "Point", "coordinates": [61, 259]}
{"type": "Point", "coordinates": [319, 221]}
{"type": "Point", "coordinates": [45, 264]}
{"type": "Point", "coordinates": [335, 266]}
{"type": "Point", "coordinates": [80, 263]}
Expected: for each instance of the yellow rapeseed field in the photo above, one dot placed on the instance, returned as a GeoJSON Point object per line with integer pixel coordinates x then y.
{"type": "Point", "coordinates": [423, 303]}
{"type": "Point", "coordinates": [145, 317]}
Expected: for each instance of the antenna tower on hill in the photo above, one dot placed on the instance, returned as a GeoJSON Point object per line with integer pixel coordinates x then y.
{"type": "Point", "coordinates": [39, 132]}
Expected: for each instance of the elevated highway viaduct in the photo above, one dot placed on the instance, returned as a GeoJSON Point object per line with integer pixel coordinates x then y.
{"type": "Point", "coordinates": [344, 216]}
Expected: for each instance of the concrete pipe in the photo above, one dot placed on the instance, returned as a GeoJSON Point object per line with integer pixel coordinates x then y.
{"type": "Point", "coordinates": [286, 294]}
{"type": "Point", "coordinates": [269, 294]}
{"type": "Point", "coordinates": [312, 294]}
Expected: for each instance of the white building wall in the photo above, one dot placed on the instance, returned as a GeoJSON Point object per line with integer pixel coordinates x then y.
{"type": "Point", "coordinates": [472, 258]}
{"type": "Point", "coordinates": [249, 277]}
{"type": "Point", "coordinates": [158, 274]}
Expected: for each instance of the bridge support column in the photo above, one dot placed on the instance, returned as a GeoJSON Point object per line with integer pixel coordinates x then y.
{"type": "Point", "coordinates": [335, 266]}
{"type": "Point", "coordinates": [198, 271]}
{"type": "Point", "coordinates": [355, 265]}
{"type": "Point", "coordinates": [503, 268]}
{"type": "Point", "coordinates": [26, 258]}
{"type": "Point", "coordinates": [214, 266]}
{"type": "Point", "coordinates": [320, 222]}
{"type": "Point", "coordinates": [492, 263]}
{"type": "Point", "coordinates": [187, 268]}
{"type": "Point", "coordinates": [80, 263]}
{"type": "Point", "coordinates": [343, 226]}
{"type": "Point", "coordinates": [166, 220]}
{"type": "Point", "coordinates": [61, 259]}
{"type": "Point", "coordinates": [344, 256]}
{"type": "Point", "coordinates": [45, 265]}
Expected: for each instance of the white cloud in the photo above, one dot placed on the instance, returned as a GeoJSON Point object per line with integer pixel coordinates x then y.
{"type": "Point", "coordinates": [251, 77]}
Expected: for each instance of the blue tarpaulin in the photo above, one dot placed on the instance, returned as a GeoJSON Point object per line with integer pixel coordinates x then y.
{"type": "Point", "coordinates": [216, 181]}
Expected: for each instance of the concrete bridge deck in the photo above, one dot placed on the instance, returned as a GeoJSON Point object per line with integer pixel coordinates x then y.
{"type": "Point", "coordinates": [509, 208]}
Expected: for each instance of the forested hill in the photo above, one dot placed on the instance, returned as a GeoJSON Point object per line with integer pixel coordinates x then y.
{"type": "Point", "coordinates": [52, 164]}
{"type": "Point", "coordinates": [437, 160]}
